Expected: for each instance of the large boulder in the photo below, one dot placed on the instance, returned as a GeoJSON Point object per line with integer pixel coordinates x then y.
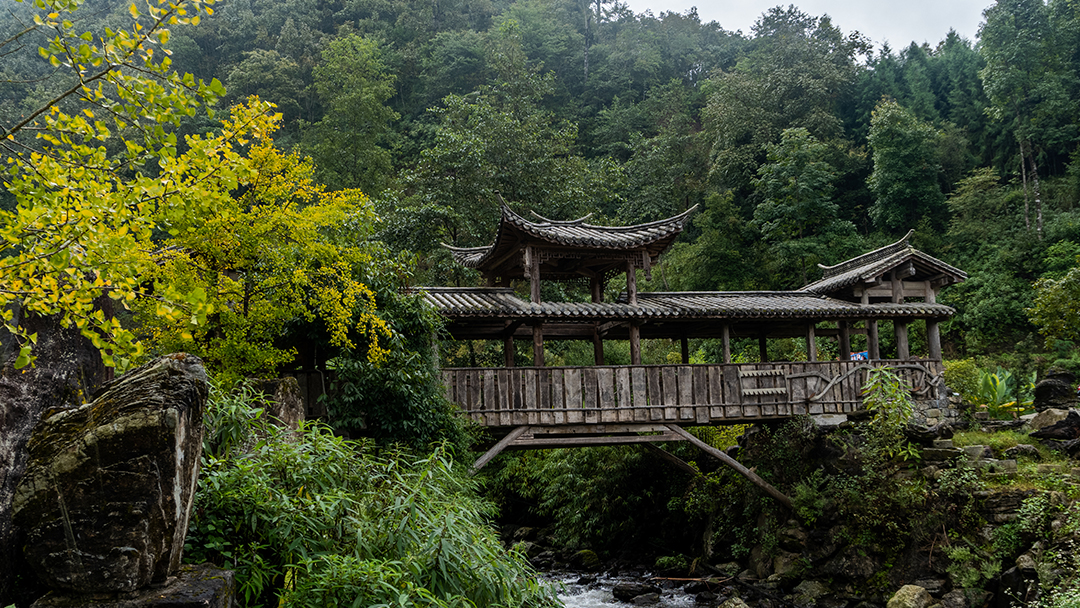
{"type": "Point", "coordinates": [108, 489]}
{"type": "Point", "coordinates": [203, 586]}
{"type": "Point", "coordinates": [68, 370]}
{"type": "Point", "coordinates": [1065, 429]}
{"type": "Point", "coordinates": [1047, 418]}
{"type": "Point", "coordinates": [1057, 390]}
{"type": "Point", "coordinates": [910, 596]}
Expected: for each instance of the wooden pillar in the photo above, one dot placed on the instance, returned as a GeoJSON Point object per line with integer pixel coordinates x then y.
{"type": "Point", "coordinates": [684, 345]}
{"type": "Point", "coordinates": [508, 350]}
{"type": "Point", "coordinates": [597, 289]}
{"type": "Point", "coordinates": [897, 288]}
{"type": "Point", "coordinates": [538, 345]}
{"type": "Point", "coordinates": [598, 347]}
{"type": "Point", "coordinates": [811, 342]}
{"type": "Point", "coordinates": [631, 284]}
{"type": "Point", "coordinates": [763, 348]}
{"type": "Point", "coordinates": [635, 344]}
{"type": "Point", "coordinates": [931, 293]}
{"type": "Point", "coordinates": [725, 334]}
{"type": "Point", "coordinates": [845, 340]}
{"type": "Point", "coordinates": [933, 339]}
{"type": "Point", "coordinates": [533, 262]}
{"type": "Point", "coordinates": [873, 347]}
{"type": "Point", "coordinates": [903, 352]}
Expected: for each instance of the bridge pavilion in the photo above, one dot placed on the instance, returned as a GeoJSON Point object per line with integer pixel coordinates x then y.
{"type": "Point", "coordinates": [895, 283]}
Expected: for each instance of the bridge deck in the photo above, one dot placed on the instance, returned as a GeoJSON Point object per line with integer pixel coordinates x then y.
{"type": "Point", "coordinates": [686, 395]}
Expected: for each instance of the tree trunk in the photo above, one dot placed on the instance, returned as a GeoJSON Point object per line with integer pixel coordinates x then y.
{"type": "Point", "coordinates": [1023, 178]}
{"type": "Point", "coordinates": [1028, 154]}
{"type": "Point", "coordinates": [1038, 197]}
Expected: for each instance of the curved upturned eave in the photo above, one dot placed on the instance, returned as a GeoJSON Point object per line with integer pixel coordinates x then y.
{"type": "Point", "coordinates": [657, 235]}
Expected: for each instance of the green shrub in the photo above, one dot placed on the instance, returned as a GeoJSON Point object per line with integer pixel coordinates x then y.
{"type": "Point", "coordinates": [311, 519]}
{"type": "Point", "coordinates": [962, 377]}
{"type": "Point", "coordinates": [400, 400]}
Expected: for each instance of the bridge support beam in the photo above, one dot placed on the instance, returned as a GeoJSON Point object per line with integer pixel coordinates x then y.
{"type": "Point", "coordinates": [734, 464]}
{"type": "Point", "coordinates": [498, 447]}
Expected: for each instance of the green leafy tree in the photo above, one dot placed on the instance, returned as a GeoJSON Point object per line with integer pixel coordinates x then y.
{"type": "Point", "coordinates": [500, 139]}
{"type": "Point", "coordinates": [1030, 84]}
{"type": "Point", "coordinates": [797, 215]}
{"type": "Point", "coordinates": [271, 76]}
{"type": "Point", "coordinates": [1055, 310]}
{"type": "Point", "coordinates": [795, 75]}
{"type": "Point", "coordinates": [905, 177]}
{"type": "Point", "coordinates": [351, 143]}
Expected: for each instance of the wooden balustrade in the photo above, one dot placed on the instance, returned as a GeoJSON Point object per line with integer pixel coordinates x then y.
{"type": "Point", "coordinates": [683, 394]}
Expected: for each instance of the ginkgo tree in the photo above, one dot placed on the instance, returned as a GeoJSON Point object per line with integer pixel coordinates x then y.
{"type": "Point", "coordinates": [108, 198]}
{"type": "Point", "coordinates": [95, 170]}
{"type": "Point", "coordinates": [281, 250]}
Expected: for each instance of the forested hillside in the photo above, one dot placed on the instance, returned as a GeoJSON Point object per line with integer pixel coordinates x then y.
{"type": "Point", "coordinates": [800, 142]}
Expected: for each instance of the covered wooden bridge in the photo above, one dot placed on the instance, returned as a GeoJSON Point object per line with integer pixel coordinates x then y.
{"type": "Point", "coordinates": [540, 406]}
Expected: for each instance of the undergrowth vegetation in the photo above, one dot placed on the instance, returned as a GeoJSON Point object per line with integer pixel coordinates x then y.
{"type": "Point", "coordinates": [306, 518]}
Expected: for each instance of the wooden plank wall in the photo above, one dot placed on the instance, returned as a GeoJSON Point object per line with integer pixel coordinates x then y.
{"type": "Point", "coordinates": [689, 394]}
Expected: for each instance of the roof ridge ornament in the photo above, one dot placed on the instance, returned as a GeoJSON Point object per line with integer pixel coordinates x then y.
{"type": "Point", "coordinates": [870, 255]}
{"type": "Point", "coordinates": [560, 222]}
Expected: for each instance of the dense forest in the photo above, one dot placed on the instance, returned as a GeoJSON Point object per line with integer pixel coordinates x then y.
{"type": "Point", "coordinates": [256, 181]}
{"type": "Point", "coordinates": [800, 143]}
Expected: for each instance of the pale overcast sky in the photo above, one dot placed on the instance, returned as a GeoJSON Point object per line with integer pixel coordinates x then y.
{"type": "Point", "coordinates": [897, 21]}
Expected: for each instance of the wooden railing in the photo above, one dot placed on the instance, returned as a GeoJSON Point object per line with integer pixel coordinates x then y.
{"type": "Point", "coordinates": [685, 394]}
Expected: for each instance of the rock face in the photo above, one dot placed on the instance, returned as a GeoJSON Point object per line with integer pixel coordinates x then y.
{"type": "Point", "coordinates": [1056, 390]}
{"type": "Point", "coordinates": [203, 586]}
{"type": "Point", "coordinates": [108, 488]}
{"type": "Point", "coordinates": [286, 403]}
{"type": "Point", "coordinates": [68, 368]}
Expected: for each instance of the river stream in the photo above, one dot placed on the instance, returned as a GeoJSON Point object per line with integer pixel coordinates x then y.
{"type": "Point", "coordinates": [578, 591]}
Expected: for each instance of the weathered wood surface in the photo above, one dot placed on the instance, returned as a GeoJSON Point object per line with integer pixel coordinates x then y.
{"type": "Point", "coordinates": [680, 394]}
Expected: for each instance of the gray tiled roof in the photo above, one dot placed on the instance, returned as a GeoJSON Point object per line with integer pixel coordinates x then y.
{"type": "Point", "coordinates": [574, 233]}
{"type": "Point", "coordinates": [869, 265]}
{"type": "Point", "coordinates": [472, 302]}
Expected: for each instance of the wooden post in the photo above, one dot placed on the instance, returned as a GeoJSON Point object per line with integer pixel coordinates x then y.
{"type": "Point", "coordinates": [933, 338]}
{"type": "Point", "coordinates": [873, 347]}
{"type": "Point", "coordinates": [811, 342]}
{"type": "Point", "coordinates": [903, 352]}
{"type": "Point", "coordinates": [845, 341]}
{"type": "Point", "coordinates": [635, 344]}
{"type": "Point", "coordinates": [684, 346]}
{"type": "Point", "coordinates": [631, 284]}
{"type": "Point", "coordinates": [598, 347]}
{"type": "Point", "coordinates": [597, 289]}
{"type": "Point", "coordinates": [763, 348]}
{"type": "Point", "coordinates": [725, 334]}
{"type": "Point", "coordinates": [931, 293]}
{"type": "Point", "coordinates": [533, 261]}
{"type": "Point", "coordinates": [538, 345]}
{"type": "Point", "coordinates": [508, 350]}
{"type": "Point", "coordinates": [897, 288]}
{"type": "Point", "coordinates": [731, 462]}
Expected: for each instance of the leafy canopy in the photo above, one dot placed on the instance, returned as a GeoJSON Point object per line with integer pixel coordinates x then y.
{"type": "Point", "coordinates": [278, 251]}
{"type": "Point", "coordinates": [101, 173]}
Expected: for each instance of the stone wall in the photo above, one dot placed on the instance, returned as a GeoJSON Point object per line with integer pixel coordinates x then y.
{"type": "Point", "coordinates": [930, 412]}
